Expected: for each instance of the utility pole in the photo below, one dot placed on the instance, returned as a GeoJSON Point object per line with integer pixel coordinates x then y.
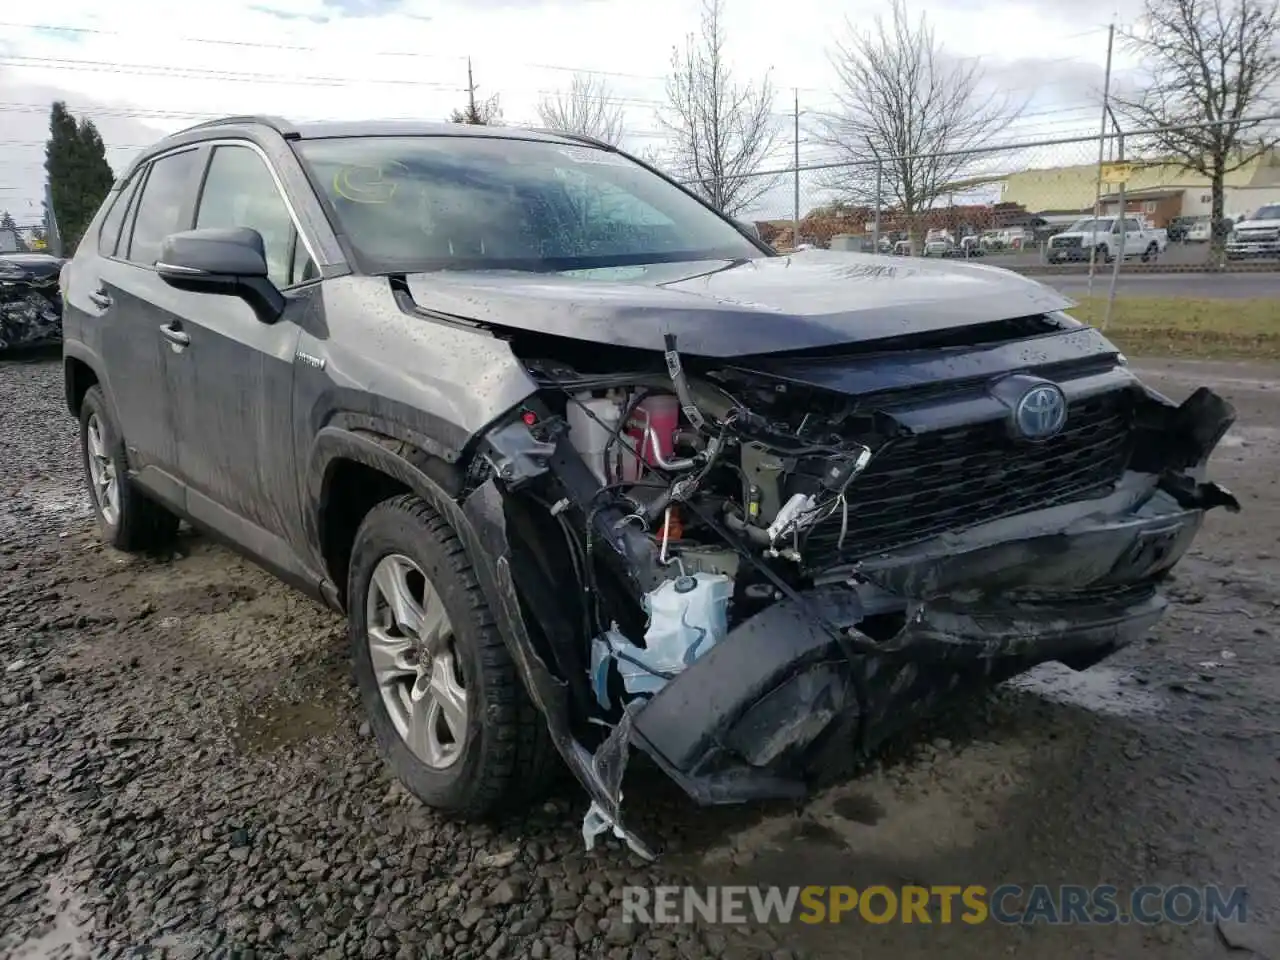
{"type": "Point", "coordinates": [1102, 143]}
{"type": "Point", "coordinates": [52, 235]}
{"type": "Point", "coordinates": [471, 95]}
{"type": "Point", "coordinates": [795, 210]}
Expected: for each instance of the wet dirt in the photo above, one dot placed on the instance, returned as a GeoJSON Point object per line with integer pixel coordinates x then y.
{"type": "Point", "coordinates": [184, 770]}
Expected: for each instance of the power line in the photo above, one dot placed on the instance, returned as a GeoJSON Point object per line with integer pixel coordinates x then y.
{"type": "Point", "coordinates": [257, 44]}
{"type": "Point", "coordinates": [422, 54]}
{"type": "Point", "coordinates": [198, 73]}
{"type": "Point", "coordinates": [285, 79]}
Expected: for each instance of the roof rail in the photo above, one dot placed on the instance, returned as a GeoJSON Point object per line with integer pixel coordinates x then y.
{"type": "Point", "coordinates": [278, 124]}
{"type": "Point", "coordinates": [580, 137]}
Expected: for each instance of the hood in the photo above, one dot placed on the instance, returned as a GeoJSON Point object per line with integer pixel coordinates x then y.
{"type": "Point", "coordinates": [35, 264]}
{"type": "Point", "coordinates": [804, 301]}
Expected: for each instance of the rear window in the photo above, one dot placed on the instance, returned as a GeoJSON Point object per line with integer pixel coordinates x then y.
{"type": "Point", "coordinates": [109, 235]}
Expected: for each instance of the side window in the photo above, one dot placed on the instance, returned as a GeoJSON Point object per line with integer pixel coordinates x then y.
{"type": "Point", "coordinates": [164, 196]}
{"type": "Point", "coordinates": [239, 191]}
{"type": "Point", "coordinates": [109, 234]}
{"type": "Point", "coordinates": [1131, 226]}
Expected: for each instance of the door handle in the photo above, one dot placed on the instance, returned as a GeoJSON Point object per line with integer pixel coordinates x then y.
{"type": "Point", "coordinates": [100, 299]}
{"type": "Point", "coordinates": [174, 335]}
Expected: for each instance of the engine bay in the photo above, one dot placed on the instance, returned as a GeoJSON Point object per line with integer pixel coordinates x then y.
{"type": "Point", "coordinates": [716, 499]}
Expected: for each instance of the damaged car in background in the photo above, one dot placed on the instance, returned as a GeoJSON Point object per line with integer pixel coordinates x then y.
{"type": "Point", "coordinates": [590, 468]}
{"type": "Point", "coordinates": [30, 303]}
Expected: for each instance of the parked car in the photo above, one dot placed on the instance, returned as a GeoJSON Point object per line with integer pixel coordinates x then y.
{"type": "Point", "coordinates": [992, 241]}
{"type": "Point", "coordinates": [1256, 236]}
{"type": "Point", "coordinates": [30, 303]}
{"type": "Point", "coordinates": [1103, 236]}
{"type": "Point", "coordinates": [938, 245]}
{"type": "Point", "coordinates": [969, 247]}
{"type": "Point", "coordinates": [1198, 230]}
{"type": "Point", "coordinates": [589, 469]}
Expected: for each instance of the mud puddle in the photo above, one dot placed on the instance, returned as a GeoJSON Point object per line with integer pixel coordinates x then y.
{"type": "Point", "coordinates": [1100, 689]}
{"type": "Point", "coordinates": [68, 935]}
{"type": "Point", "coordinates": [268, 725]}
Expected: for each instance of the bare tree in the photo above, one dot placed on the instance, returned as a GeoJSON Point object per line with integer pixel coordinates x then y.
{"type": "Point", "coordinates": [477, 112]}
{"type": "Point", "coordinates": [588, 108]}
{"type": "Point", "coordinates": [1209, 62]}
{"type": "Point", "coordinates": [721, 131]}
{"type": "Point", "coordinates": [907, 107]}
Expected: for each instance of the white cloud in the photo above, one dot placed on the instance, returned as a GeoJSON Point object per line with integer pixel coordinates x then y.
{"type": "Point", "coordinates": [150, 66]}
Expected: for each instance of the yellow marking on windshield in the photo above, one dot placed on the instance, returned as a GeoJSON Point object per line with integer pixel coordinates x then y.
{"type": "Point", "coordinates": [367, 183]}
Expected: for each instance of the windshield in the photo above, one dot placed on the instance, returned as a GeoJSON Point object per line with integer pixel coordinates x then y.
{"type": "Point", "coordinates": [1271, 212]}
{"type": "Point", "coordinates": [410, 204]}
{"type": "Point", "coordinates": [1090, 225]}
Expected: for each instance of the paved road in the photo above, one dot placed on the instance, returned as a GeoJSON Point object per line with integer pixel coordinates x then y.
{"type": "Point", "coordinates": [1232, 286]}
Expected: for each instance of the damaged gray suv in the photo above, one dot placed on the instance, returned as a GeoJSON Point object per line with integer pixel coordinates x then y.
{"type": "Point", "coordinates": [593, 471]}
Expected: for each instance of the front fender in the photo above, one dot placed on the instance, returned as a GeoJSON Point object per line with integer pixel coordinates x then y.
{"type": "Point", "coordinates": [429, 477]}
{"type": "Point", "coordinates": [481, 528]}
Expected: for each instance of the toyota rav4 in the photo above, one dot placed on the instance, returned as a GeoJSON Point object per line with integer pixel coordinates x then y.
{"type": "Point", "coordinates": [591, 470]}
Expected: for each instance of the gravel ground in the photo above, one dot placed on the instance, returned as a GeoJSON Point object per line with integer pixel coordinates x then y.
{"type": "Point", "coordinates": [184, 770]}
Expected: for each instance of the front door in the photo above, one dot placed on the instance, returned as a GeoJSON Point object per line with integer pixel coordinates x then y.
{"type": "Point", "coordinates": [233, 382]}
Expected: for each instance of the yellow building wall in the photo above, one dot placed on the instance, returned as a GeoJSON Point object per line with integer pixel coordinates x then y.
{"type": "Point", "coordinates": [1072, 188]}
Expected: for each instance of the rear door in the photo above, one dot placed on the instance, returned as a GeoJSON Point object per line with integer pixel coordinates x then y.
{"type": "Point", "coordinates": [233, 384]}
{"type": "Point", "coordinates": [131, 308]}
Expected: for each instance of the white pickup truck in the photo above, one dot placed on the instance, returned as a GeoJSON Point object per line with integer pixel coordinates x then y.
{"type": "Point", "coordinates": [1103, 235]}
{"type": "Point", "coordinates": [1258, 235]}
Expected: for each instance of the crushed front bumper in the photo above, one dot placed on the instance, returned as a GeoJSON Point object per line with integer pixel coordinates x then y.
{"type": "Point", "coordinates": [776, 703]}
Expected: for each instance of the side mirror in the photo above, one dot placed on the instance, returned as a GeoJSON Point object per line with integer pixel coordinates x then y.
{"type": "Point", "coordinates": [230, 261]}
{"type": "Point", "coordinates": [750, 228]}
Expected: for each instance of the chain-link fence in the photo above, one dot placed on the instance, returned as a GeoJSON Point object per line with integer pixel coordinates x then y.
{"type": "Point", "coordinates": [1031, 205]}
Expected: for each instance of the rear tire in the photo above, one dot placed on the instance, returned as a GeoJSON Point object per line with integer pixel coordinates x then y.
{"type": "Point", "coordinates": [128, 519]}
{"type": "Point", "coordinates": [446, 705]}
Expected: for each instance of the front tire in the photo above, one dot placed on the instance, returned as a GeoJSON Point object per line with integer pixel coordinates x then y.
{"type": "Point", "coordinates": [128, 519]}
{"type": "Point", "coordinates": [445, 702]}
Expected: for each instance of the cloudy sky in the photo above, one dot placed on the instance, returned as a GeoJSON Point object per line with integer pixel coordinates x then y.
{"type": "Point", "coordinates": [147, 67]}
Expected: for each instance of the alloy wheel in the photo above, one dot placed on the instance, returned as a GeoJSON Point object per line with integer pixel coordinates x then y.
{"type": "Point", "coordinates": [414, 655]}
{"type": "Point", "coordinates": [102, 471]}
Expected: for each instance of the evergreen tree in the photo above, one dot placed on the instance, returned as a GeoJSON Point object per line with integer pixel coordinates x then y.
{"type": "Point", "coordinates": [79, 175]}
{"type": "Point", "coordinates": [10, 235]}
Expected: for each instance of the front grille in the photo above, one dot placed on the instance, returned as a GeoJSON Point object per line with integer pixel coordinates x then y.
{"type": "Point", "coordinates": [924, 485]}
{"type": "Point", "coordinates": [1059, 242]}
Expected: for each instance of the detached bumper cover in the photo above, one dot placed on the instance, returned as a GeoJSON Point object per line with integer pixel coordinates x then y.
{"type": "Point", "coordinates": [750, 719]}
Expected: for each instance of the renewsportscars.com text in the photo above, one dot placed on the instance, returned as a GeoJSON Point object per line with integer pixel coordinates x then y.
{"type": "Point", "coordinates": [972, 904]}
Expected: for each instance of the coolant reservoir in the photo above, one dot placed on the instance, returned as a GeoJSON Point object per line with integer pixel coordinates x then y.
{"type": "Point", "coordinates": [589, 435]}
{"type": "Point", "coordinates": [651, 429]}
